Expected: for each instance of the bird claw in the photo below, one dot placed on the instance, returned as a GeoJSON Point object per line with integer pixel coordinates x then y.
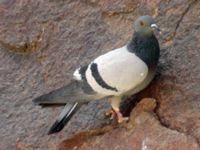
{"type": "Point", "coordinates": [114, 113]}
{"type": "Point", "coordinates": [122, 119]}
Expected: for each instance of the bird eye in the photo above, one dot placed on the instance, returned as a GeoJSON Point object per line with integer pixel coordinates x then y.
{"type": "Point", "coordinates": [141, 23]}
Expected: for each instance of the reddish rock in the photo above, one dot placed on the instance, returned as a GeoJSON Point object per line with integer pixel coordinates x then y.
{"type": "Point", "coordinates": [178, 87]}
{"type": "Point", "coordinates": [143, 132]}
{"type": "Point", "coordinates": [44, 41]}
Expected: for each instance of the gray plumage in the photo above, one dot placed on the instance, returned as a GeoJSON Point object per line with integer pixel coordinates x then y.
{"type": "Point", "coordinates": [75, 90]}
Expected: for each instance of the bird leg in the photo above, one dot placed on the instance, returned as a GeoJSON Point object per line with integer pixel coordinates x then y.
{"type": "Point", "coordinates": [115, 103]}
{"type": "Point", "coordinates": [120, 117]}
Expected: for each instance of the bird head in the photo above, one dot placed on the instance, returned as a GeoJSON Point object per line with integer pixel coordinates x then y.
{"type": "Point", "coordinates": [145, 25]}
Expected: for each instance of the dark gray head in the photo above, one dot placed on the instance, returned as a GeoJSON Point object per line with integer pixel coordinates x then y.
{"type": "Point", "coordinates": [145, 25]}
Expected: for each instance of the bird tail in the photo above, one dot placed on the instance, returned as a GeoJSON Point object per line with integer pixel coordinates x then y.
{"type": "Point", "coordinates": [70, 93]}
{"type": "Point", "coordinates": [64, 117]}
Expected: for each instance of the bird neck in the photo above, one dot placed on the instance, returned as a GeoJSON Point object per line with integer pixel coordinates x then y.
{"type": "Point", "coordinates": [146, 48]}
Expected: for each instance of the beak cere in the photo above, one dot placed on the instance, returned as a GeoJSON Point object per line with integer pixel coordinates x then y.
{"type": "Point", "coordinates": [155, 27]}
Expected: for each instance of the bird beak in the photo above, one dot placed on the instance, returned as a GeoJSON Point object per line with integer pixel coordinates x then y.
{"type": "Point", "coordinates": [155, 27]}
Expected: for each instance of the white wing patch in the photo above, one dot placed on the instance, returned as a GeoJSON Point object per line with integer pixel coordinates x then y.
{"type": "Point", "coordinates": [77, 75]}
{"type": "Point", "coordinates": [120, 69]}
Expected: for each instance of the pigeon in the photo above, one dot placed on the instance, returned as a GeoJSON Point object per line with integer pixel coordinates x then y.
{"type": "Point", "coordinates": [115, 75]}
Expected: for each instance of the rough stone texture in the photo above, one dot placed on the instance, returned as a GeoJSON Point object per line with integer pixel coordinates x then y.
{"type": "Point", "coordinates": [42, 42]}
{"type": "Point", "coordinates": [143, 132]}
{"type": "Point", "coordinates": [178, 88]}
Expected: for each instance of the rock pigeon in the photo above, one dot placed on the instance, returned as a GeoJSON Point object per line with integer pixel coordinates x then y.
{"type": "Point", "coordinates": [114, 75]}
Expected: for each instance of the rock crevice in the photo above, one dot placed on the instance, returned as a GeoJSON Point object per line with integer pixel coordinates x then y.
{"type": "Point", "coordinates": [190, 5]}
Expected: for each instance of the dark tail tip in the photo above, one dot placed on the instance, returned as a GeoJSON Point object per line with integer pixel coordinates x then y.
{"type": "Point", "coordinates": [64, 117]}
{"type": "Point", "coordinates": [59, 125]}
{"type": "Point", "coordinates": [56, 127]}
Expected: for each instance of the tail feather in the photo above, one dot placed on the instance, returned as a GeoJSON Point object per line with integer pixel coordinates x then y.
{"type": "Point", "coordinates": [73, 95]}
{"type": "Point", "coordinates": [68, 94]}
{"type": "Point", "coordinates": [64, 117]}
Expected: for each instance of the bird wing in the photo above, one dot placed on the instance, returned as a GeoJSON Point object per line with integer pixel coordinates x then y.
{"type": "Point", "coordinates": [116, 72]}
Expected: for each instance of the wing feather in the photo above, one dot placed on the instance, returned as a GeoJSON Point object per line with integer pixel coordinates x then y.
{"type": "Point", "coordinates": [120, 69]}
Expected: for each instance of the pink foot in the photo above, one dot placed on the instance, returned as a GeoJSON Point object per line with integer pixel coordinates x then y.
{"type": "Point", "coordinates": [115, 113]}
{"type": "Point", "coordinates": [120, 117]}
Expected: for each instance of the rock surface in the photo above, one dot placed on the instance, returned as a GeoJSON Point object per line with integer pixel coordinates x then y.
{"type": "Point", "coordinates": [42, 42]}
{"type": "Point", "coordinates": [143, 132]}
